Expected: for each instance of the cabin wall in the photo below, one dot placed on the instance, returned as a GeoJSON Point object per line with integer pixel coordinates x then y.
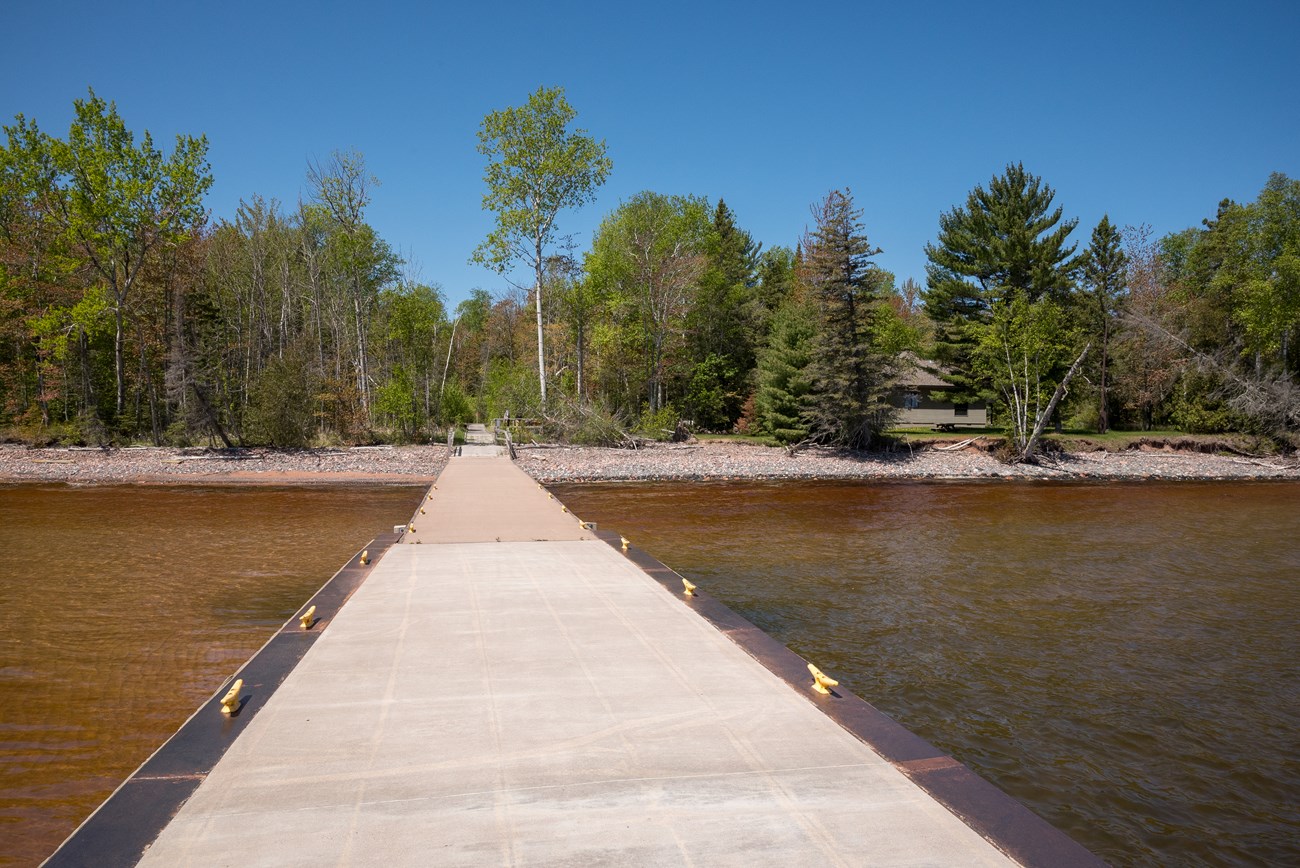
{"type": "Point", "coordinates": [931, 412]}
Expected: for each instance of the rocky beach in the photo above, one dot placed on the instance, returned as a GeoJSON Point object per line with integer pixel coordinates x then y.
{"type": "Point", "coordinates": [401, 465]}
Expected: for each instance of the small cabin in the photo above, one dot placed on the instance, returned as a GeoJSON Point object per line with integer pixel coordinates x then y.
{"type": "Point", "coordinates": [921, 398]}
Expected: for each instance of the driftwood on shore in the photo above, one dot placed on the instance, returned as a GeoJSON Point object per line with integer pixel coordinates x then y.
{"type": "Point", "coordinates": [956, 446]}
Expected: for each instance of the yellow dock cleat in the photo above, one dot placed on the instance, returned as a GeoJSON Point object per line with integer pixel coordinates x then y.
{"type": "Point", "coordinates": [230, 702]}
{"type": "Point", "coordinates": [821, 681]}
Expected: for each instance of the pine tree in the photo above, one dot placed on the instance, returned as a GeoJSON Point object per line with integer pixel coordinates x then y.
{"type": "Point", "coordinates": [784, 378]}
{"type": "Point", "coordinates": [1006, 242]}
{"type": "Point", "coordinates": [851, 374]}
{"type": "Point", "coordinates": [722, 323]}
{"type": "Point", "coordinates": [1105, 268]}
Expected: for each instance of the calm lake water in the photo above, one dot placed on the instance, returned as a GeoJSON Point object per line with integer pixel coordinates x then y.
{"type": "Point", "coordinates": [1122, 658]}
{"type": "Point", "coordinates": [123, 608]}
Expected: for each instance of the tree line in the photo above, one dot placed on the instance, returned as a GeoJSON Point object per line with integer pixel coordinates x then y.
{"type": "Point", "coordinates": [129, 314]}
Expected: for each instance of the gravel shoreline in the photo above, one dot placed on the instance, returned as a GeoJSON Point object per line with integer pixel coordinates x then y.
{"type": "Point", "coordinates": [712, 460]}
{"type": "Point", "coordinates": [369, 465]}
{"type": "Point", "coordinates": [715, 460]}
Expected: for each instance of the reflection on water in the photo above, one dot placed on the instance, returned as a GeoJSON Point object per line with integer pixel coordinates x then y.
{"type": "Point", "coordinates": [1121, 658]}
{"type": "Point", "coordinates": [123, 608]}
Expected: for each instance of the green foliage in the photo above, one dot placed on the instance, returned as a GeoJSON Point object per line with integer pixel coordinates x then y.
{"type": "Point", "coordinates": [280, 412]}
{"type": "Point", "coordinates": [646, 258]}
{"type": "Point", "coordinates": [1005, 242]}
{"type": "Point", "coordinates": [1105, 273]}
{"type": "Point", "coordinates": [774, 272]}
{"type": "Point", "coordinates": [1020, 354]}
{"type": "Point", "coordinates": [120, 201]}
{"type": "Point", "coordinates": [1260, 269]}
{"type": "Point", "coordinates": [893, 333]}
{"type": "Point", "coordinates": [710, 394]}
{"type": "Point", "coordinates": [657, 424]}
{"type": "Point", "coordinates": [511, 387]}
{"type": "Point", "coordinates": [456, 406]}
{"type": "Point", "coordinates": [396, 401]}
{"type": "Point", "coordinates": [59, 330]}
{"type": "Point", "coordinates": [1233, 311]}
{"type": "Point", "coordinates": [536, 168]}
{"type": "Point", "coordinates": [784, 381]}
{"type": "Point", "coordinates": [723, 324]}
{"type": "Point", "coordinates": [851, 370]}
{"type": "Point", "coordinates": [122, 197]}
{"type": "Point", "coordinates": [1105, 266]}
{"type": "Point", "coordinates": [122, 312]}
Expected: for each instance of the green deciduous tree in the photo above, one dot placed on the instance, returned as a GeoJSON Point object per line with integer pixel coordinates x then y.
{"type": "Point", "coordinates": [1025, 343]}
{"type": "Point", "coordinates": [537, 167]}
{"type": "Point", "coordinates": [118, 201]}
{"type": "Point", "coordinates": [362, 260]}
{"type": "Point", "coordinates": [647, 257]}
{"type": "Point", "coordinates": [1259, 270]}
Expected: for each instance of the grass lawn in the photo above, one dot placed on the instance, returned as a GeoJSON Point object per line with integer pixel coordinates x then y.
{"type": "Point", "coordinates": [1114, 436]}
{"type": "Point", "coordinates": [755, 439]}
{"type": "Point", "coordinates": [1072, 439]}
{"type": "Point", "coordinates": [958, 434]}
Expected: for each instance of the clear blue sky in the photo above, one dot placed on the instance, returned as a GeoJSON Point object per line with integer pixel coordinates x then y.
{"type": "Point", "coordinates": [1152, 112]}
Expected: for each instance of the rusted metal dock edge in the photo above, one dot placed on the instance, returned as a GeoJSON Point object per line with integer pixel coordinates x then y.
{"type": "Point", "coordinates": [123, 827]}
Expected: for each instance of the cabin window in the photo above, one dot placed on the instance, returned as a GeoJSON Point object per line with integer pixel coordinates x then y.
{"type": "Point", "coordinates": [960, 409]}
{"type": "Point", "coordinates": [911, 400]}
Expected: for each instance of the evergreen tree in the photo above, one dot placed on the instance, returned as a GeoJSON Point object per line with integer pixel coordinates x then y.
{"type": "Point", "coordinates": [1005, 242]}
{"type": "Point", "coordinates": [851, 373]}
{"type": "Point", "coordinates": [775, 279]}
{"type": "Point", "coordinates": [784, 378]}
{"type": "Point", "coordinates": [1105, 268]}
{"type": "Point", "coordinates": [722, 324]}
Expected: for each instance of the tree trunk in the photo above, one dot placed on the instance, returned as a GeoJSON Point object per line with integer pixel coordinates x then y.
{"type": "Point", "coordinates": [1051, 405]}
{"type": "Point", "coordinates": [1103, 413]}
{"type": "Point", "coordinates": [581, 337]}
{"type": "Point", "coordinates": [541, 350]}
{"type": "Point", "coordinates": [362, 373]}
{"type": "Point", "coordinates": [450, 344]}
{"type": "Point", "coordinates": [119, 364]}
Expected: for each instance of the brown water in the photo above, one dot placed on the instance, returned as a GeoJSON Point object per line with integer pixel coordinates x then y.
{"type": "Point", "coordinates": [1121, 658]}
{"type": "Point", "coordinates": [123, 608]}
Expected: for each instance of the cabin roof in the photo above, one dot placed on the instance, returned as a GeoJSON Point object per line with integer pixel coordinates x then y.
{"type": "Point", "coordinates": [921, 373]}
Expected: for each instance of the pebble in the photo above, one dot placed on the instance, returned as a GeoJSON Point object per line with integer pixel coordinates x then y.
{"type": "Point", "coordinates": [710, 460]}
{"type": "Point", "coordinates": [714, 460]}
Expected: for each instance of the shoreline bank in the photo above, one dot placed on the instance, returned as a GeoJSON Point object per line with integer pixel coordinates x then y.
{"type": "Point", "coordinates": [720, 461]}
{"type": "Point", "coordinates": [710, 460]}
{"type": "Point", "coordinates": [149, 465]}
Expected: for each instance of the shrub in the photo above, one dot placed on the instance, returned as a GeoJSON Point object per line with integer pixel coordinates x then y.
{"type": "Point", "coordinates": [281, 405]}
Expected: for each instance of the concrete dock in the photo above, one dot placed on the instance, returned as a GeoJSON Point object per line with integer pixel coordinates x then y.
{"type": "Point", "coordinates": [506, 687]}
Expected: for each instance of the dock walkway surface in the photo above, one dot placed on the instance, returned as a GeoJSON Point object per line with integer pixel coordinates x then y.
{"type": "Point", "coordinates": [507, 688]}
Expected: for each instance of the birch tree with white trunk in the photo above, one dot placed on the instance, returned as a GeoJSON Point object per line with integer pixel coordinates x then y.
{"type": "Point", "coordinates": [537, 167]}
